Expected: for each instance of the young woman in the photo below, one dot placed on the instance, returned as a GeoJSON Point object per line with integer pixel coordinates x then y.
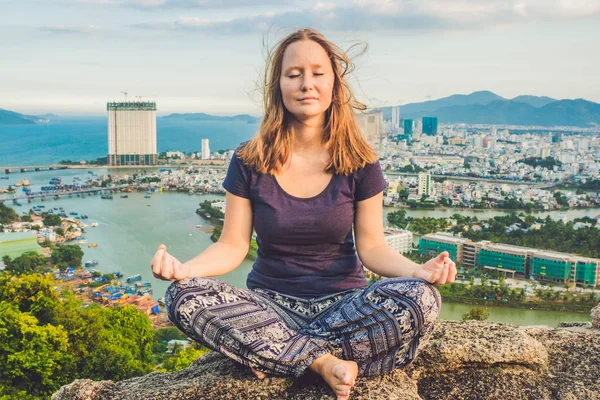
{"type": "Point", "coordinates": [312, 188]}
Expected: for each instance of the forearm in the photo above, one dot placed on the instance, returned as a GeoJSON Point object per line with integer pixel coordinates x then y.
{"type": "Point", "coordinates": [387, 262]}
{"type": "Point", "coordinates": [218, 259]}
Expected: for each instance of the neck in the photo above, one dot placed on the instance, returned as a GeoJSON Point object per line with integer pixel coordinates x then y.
{"type": "Point", "coordinates": [308, 135]}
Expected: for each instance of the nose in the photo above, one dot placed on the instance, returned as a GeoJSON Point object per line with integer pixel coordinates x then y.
{"type": "Point", "coordinates": [307, 83]}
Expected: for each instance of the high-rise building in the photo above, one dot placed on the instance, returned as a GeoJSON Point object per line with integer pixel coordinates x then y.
{"type": "Point", "coordinates": [131, 133]}
{"type": "Point", "coordinates": [430, 126]}
{"type": "Point", "coordinates": [425, 184]}
{"type": "Point", "coordinates": [556, 137]}
{"type": "Point", "coordinates": [396, 117]}
{"type": "Point", "coordinates": [205, 150]}
{"type": "Point", "coordinates": [372, 129]}
{"type": "Point", "coordinates": [408, 126]}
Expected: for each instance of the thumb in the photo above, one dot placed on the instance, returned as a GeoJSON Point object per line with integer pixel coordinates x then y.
{"type": "Point", "coordinates": [162, 247]}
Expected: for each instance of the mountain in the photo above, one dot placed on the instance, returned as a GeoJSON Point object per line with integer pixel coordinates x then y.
{"type": "Point", "coordinates": [482, 97]}
{"type": "Point", "coordinates": [485, 107]}
{"type": "Point", "coordinates": [13, 118]}
{"type": "Point", "coordinates": [536, 101]}
{"type": "Point", "coordinates": [207, 117]}
{"type": "Point", "coordinates": [577, 112]}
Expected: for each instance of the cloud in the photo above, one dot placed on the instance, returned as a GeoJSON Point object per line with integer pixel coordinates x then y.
{"type": "Point", "coordinates": [186, 4]}
{"type": "Point", "coordinates": [391, 16]}
{"type": "Point", "coordinates": [87, 29]}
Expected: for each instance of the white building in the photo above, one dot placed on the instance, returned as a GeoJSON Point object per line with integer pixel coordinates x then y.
{"type": "Point", "coordinates": [132, 133]}
{"type": "Point", "coordinates": [48, 234]}
{"type": "Point", "coordinates": [425, 184]}
{"type": "Point", "coordinates": [398, 239]}
{"type": "Point", "coordinates": [205, 150]}
{"type": "Point", "coordinates": [395, 117]}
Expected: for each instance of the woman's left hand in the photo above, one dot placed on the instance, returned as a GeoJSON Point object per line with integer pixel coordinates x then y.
{"type": "Point", "coordinates": [438, 271]}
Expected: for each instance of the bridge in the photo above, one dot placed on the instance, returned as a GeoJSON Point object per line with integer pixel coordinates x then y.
{"type": "Point", "coordinates": [10, 170]}
{"type": "Point", "coordinates": [53, 193]}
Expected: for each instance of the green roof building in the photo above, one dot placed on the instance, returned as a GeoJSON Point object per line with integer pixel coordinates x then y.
{"type": "Point", "coordinates": [14, 244]}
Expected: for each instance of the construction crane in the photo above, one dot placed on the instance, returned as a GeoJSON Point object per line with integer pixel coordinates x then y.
{"type": "Point", "coordinates": [125, 93]}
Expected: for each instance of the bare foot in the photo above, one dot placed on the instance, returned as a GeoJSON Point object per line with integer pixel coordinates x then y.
{"type": "Point", "coordinates": [340, 375]}
{"type": "Point", "coordinates": [259, 375]}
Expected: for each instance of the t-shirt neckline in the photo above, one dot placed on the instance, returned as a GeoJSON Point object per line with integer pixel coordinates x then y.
{"type": "Point", "coordinates": [304, 198]}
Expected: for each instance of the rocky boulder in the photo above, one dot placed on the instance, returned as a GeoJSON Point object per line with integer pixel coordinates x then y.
{"type": "Point", "coordinates": [463, 360]}
{"type": "Point", "coordinates": [596, 316]}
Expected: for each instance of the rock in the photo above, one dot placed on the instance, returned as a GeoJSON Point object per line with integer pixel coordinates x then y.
{"type": "Point", "coordinates": [595, 314]}
{"type": "Point", "coordinates": [456, 345]}
{"type": "Point", "coordinates": [586, 325]}
{"type": "Point", "coordinates": [462, 361]}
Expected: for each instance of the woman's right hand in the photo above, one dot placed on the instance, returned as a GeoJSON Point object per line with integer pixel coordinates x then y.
{"type": "Point", "coordinates": [167, 267]}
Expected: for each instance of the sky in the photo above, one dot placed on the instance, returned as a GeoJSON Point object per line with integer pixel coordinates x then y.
{"type": "Point", "coordinates": [70, 57]}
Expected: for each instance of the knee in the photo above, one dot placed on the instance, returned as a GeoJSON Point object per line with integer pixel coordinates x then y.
{"type": "Point", "coordinates": [422, 294]}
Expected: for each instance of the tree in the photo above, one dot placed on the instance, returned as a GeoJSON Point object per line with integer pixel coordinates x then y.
{"type": "Point", "coordinates": [70, 254]}
{"type": "Point", "coordinates": [26, 263]}
{"type": "Point", "coordinates": [34, 357]}
{"type": "Point", "coordinates": [182, 359]}
{"type": "Point", "coordinates": [52, 220]}
{"type": "Point", "coordinates": [476, 314]}
{"type": "Point", "coordinates": [7, 214]}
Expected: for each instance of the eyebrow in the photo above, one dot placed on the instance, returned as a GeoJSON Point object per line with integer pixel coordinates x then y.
{"type": "Point", "coordinates": [300, 68]}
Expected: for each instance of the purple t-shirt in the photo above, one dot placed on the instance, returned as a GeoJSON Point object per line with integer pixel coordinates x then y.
{"type": "Point", "coordinates": [305, 245]}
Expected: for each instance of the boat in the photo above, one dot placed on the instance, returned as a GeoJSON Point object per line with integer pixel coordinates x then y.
{"type": "Point", "coordinates": [41, 206]}
{"type": "Point", "coordinates": [82, 242]}
{"type": "Point", "coordinates": [91, 263]}
{"type": "Point", "coordinates": [4, 177]}
{"type": "Point", "coordinates": [143, 284]}
{"type": "Point", "coordinates": [18, 184]}
{"type": "Point", "coordinates": [161, 301]}
{"type": "Point", "coordinates": [94, 224]}
{"type": "Point", "coordinates": [84, 216]}
{"type": "Point", "coordinates": [198, 226]}
{"type": "Point", "coordinates": [124, 196]}
{"type": "Point", "coordinates": [147, 196]}
{"type": "Point", "coordinates": [118, 274]}
{"type": "Point", "coordinates": [92, 245]}
{"type": "Point", "coordinates": [134, 278]}
{"type": "Point", "coordinates": [106, 196]}
{"type": "Point", "coordinates": [145, 291]}
{"type": "Point", "coordinates": [25, 182]}
{"type": "Point", "coordinates": [73, 213]}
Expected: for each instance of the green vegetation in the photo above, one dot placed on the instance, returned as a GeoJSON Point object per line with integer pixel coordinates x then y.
{"type": "Point", "coordinates": [26, 263]}
{"type": "Point", "coordinates": [580, 187]}
{"type": "Point", "coordinates": [52, 220]}
{"type": "Point", "coordinates": [421, 226]}
{"type": "Point", "coordinates": [213, 214]}
{"type": "Point", "coordinates": [7, 214]}
{"type": "Point", "coordinates": [548, 162]}
{"type": "Point", "coordinates": [67, 256]}
{"type": "Point", "coordinates": [476, 314]}
{"type": "Point", "coordinates": [498, 294]}
{"type": "Point", "coordinates": [182, 359]}
{"type": "Point", "coordinates": [410, 169]}
{"type": "Point", "coordinates": [47, 339]}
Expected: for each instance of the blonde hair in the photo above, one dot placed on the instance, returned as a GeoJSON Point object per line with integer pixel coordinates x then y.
{"type": "Point", "coordinates": [269, 150]}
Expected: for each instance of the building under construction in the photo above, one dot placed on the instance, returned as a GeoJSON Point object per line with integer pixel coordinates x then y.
{"type": "Point", "coordinates": [132, 133]}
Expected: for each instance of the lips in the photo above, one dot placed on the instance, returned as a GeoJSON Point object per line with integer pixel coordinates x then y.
{"type": "Point", "coordinates": [308, 99]}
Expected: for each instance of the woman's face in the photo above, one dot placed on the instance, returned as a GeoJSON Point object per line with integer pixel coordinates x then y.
{"type": "Point", "coordinates": [306, 81]}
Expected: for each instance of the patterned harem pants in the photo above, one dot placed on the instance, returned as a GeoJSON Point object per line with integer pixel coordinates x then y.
{"type": "Point", "coordinates": [381, 327]}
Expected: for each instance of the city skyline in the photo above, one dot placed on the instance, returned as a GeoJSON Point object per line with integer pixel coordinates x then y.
{"type": "Point", "coordinates": [72, 56]}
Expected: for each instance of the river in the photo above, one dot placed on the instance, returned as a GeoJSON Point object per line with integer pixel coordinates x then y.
{"type": "Point", "coordinates": [130, 230]}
